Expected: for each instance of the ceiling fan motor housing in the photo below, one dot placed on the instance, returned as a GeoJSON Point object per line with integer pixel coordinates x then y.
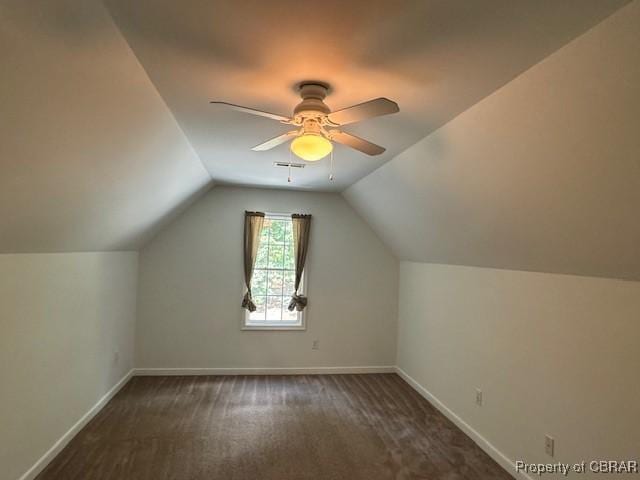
{"type": "Point", "coordinates": [312, 104]}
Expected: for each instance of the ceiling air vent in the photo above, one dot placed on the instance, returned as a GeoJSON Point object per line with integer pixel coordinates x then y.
{"type": "Point", "coordinates": [288, 164]}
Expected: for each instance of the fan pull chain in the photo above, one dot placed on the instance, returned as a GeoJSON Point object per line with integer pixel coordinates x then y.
{"type": "Point", "coordinates": [331, 167]}
{"type": "Point", "coordinates": [289, 177]}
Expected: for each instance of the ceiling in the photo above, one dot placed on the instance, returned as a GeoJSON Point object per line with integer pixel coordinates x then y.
{"type": "Point", "coordinates": [106, 133]}
{"type": "Point", "coordinates": [542, 175]}
{"type": "Point", "coordinates": [90, 157]}
{"type": "Point", "coordinates": [436, 58]}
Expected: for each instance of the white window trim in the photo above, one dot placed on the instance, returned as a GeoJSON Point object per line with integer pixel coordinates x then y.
{"type": "Point", "coordinates": [279, 325]}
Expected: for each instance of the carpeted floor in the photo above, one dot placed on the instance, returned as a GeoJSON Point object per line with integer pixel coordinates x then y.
{"type": "Point", "coordinates": [324, 427]}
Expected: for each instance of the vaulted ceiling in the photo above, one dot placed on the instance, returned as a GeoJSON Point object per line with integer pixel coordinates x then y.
{"type": "Point", "coordinates": [106, 132]}
{"type": "Point", "coordinates": [542, 175]}
{"type": "Point", "coordinates": [436, 58]}
{"type": "Point", "coordinates": [90, 156]}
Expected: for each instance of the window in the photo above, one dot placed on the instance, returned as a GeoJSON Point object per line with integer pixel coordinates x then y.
{"type": "Point", "coordinates": [273, 280]}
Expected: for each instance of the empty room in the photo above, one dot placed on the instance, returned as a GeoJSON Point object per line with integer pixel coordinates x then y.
{"type": "Point", "coordinates": [332, 240]}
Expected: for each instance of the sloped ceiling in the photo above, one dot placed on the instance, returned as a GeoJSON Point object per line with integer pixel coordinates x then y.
{"type": "Point", "coordinates": [542, 175]}
{"type": "Point", "coordinates": [90, 156]}
{"type": "Point", "coordinates": [436, 58]}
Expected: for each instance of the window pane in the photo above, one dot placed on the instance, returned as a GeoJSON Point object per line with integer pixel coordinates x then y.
{"type": "Point", "coordinates": [289, 282]}
{"type": "Point", "coordinates": [259, 314]}
{"type": "Point", "coordinates": [278, 231]}
{"type": "Point", "coordinates": [276, 256]}
{"type": "Point", "coordinates": [259, 283]}
{"type": "Point", "coordinates": [261, 259]}
{"type": "Point", "coordinates": [288, 316]}
{"type": "Point", "coordinates": [289, 259]}
{"type": "Point", "coordinates": [288, 232]}
{"type": "Point", "coordinates": [274, 308]}
{"type": "Point", "coordinates": [275, 282]}
{"type": "Point", "coordinates": [264, 234]}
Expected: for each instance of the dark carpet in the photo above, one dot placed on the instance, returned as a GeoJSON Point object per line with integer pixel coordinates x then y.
{"type": "Point", "coordinates": [346, 427]}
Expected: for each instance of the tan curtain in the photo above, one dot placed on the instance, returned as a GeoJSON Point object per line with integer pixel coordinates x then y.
{"type": "Point", "coordinates": [301, 229]}
{"type": "Point", "coordinates": [253, 222]}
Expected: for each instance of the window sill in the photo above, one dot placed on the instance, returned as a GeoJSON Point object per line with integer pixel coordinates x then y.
{"type": "Point", "coordinates": [274, 327]}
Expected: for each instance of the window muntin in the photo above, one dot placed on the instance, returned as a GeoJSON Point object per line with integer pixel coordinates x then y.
{"type": "Point", "coordinates": [273, 279]}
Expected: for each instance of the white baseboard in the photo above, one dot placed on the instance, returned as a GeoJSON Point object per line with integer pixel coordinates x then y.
{"type": "Point", "coordinates": [505, 462]}
{"type": "Point", "coordinates": [262, 371]}
{"type": "Point", "coordinates": [79, 425]}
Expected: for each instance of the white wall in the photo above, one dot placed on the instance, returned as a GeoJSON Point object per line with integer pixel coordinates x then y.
{"type": "Point", "coordinates": [62, 317]}
{"type": "Point", "coordinates": [553, 354]}
{"type": "Point", "coordinates": [191, 286]}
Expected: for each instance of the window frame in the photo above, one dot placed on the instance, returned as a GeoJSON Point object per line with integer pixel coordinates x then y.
{"type": "Point", "coordinates": [279, 325]}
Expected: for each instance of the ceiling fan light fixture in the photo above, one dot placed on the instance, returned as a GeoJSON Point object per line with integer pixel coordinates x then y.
{"type": "Point", "coordinates": [316, 127]}
{"type": "Point", "coordinates": [311, 147]}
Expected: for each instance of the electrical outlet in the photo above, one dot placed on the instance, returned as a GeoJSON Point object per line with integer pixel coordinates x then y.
{"type": "Point", "coordinates": [116, 356]}
{"type": "Point", "coordinates": [315, 345]}
{"type": "Point", "coordinates": [478, 397]}
{"type": "Point", "coordinates": [549, 445]}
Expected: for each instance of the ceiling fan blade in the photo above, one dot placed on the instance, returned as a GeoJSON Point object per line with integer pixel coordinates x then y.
{"type": "Point", "coordinates": [362, 111]}
{"type": "Point", "coordinates": [253, 111]}
{"type": "Point", "coordinates": [356, 142]}
{"type": "Point", "coordinates": [274, 142]}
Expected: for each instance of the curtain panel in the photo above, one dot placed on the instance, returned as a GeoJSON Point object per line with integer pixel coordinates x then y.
{"type": "Point", "coordinates": [301, 229]}
{"type": "Point", "coordinates": [253, 222]}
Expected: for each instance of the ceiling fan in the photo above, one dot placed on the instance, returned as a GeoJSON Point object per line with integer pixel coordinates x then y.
{"type": "Point", "coordinates": [317, 126]}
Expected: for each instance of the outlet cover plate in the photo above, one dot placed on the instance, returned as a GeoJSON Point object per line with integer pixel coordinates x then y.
{"type": "Point", "coordinates": [549, 444]}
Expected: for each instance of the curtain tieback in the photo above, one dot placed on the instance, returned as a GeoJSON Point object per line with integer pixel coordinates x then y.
{"type": "Point", "coordinates": [297, 302]}
{"type": "Point", "coordinates": [247, 302]}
